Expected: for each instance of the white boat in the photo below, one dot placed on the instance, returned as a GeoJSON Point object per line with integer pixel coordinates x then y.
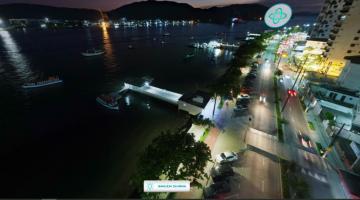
{"type": "Point", "coordinates": [50, 81]}
{"type": "Point", "coordinates": [166, 34]}
{"type": "Point", "coordinates": [92, 52]}
{"type": "Point", "coordinates": [108, 101]}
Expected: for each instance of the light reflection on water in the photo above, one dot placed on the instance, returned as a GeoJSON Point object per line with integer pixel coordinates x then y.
{"type": "Point", "coordinates": [15, 57]}
{"type": "Point", "coordinates": [108, 47]}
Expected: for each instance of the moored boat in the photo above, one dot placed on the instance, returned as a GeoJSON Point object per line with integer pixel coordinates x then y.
{"type": "Point", "coordinates": [51, 81]}
{"type": "Point", "coordinates": [108, 101]}
{"type": "Point", "coordinates": [92, 52]}
{"type": "Point", "coordinates": [190, 55]}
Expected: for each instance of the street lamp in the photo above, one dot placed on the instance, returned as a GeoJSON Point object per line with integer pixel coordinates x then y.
{"type": "Point", "coordinates": [282, 55]}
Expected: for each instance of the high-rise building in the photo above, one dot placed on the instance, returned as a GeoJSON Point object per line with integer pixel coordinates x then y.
{"type": "Point", "coordinates": [339, 21]}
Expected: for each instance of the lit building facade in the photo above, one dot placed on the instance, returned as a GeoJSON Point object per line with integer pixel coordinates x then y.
{"type": "Point", "coordinates": [339, 22]}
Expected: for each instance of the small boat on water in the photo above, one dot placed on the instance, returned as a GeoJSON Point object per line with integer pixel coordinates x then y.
{"type": "Point", "coordinates": [190, 55]}
{"type": "Point", "coordinates": [166, 34]}
{"type": "Point", "coordinates": [92, 52]}
{"type": "Point", "coordinates": [51, 81]}
{"type": "Point", "coordinates": [108, 101]}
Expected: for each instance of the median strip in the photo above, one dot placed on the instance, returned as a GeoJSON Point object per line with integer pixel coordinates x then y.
{"type": "Point", "coordinates": [280, 132]}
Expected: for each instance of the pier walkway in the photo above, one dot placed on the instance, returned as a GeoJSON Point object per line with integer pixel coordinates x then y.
{"type": "Point", "coordinates": [158, 93]}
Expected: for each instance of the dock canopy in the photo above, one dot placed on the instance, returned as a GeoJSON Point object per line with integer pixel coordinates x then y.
{"type": "Point", "coordinates": [194, 103]}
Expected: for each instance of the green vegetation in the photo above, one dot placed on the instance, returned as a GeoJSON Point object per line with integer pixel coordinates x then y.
{"type": "Point", "coordinates": [279, 120]}
{"type": "Point", "coordinates": [320, 148]}
{"type": "Point", "coordinates": [205, 134]}
{"type": "Point", "coordinates": [284, 179]}
{"type": "Point", "coordinates": [203, 122]}
{"type": "Point", "coordinates": [329, 116]}
{"type": "Point", "coordinates": [311, 126]}
{"type": "Point", "coordinates": [294, 186]}
{"type": "Point", "coordinates": [302, 104]}
{"type": "Point", "coordinates": [172, 156]}
{"type": "Point", "coordinates": [229, 83]}
{"type": "Point", "coordinates": [221, 103]}
{"type": "Point", "coordinates": [278, 72]}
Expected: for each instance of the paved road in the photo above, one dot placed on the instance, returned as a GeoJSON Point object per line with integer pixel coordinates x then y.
{"type": "Point", "coordinates": [317, 172]}
{"type": "Point", "coordinates": [263, 113]}
{"type": "Point", "coordinates": [262, 170]}
{"type": "Point", "coordinates": [257, 173]}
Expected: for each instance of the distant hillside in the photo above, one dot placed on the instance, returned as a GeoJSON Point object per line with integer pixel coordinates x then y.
{"type": "Point", "coordinates": [39, 12]}
{"type": "Point", "coordinates": [171, 10]}
{"type": "Point", "coordinates": [139, 10]}
{"type": "Point", "coordinates": [155, 9]}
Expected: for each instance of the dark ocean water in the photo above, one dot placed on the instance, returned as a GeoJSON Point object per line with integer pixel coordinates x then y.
{"type": "Point", "coordinates": [57, 142]}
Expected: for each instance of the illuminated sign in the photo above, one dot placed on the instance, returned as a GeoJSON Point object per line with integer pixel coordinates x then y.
{"type": "Point", "coordinates": [166, 186]}
{"type": "Point", "coordinates": [278, 15]}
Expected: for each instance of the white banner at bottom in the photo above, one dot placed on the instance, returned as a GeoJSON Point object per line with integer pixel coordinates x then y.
{"type": "Point", "coordinates": [166, 186]}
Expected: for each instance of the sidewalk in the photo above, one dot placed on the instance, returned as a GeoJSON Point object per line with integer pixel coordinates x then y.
{"type": "Point", "coordinates": [324, 139]}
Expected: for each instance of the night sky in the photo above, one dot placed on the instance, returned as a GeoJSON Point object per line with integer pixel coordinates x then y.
{"type": "Point", "coordinates": [297, 5]}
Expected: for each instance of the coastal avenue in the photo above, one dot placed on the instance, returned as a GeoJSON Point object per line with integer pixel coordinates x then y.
{"type": "Point", "coordinates": [257, 173]}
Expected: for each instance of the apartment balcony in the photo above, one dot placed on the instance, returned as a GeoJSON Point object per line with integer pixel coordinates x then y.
{"type": "Point", "coordinates": [348, 2]}
{"type": "Point", "coordinates": [335, 30]}
{"type": "Point", "coordinates": [338, 24]}
{"type": "Point", "coordinates": [332, 36]}
{"type": "Point", "coordinates": [345, 9]}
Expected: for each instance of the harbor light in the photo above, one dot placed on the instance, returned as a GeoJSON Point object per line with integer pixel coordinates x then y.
{"type": "Point", "coordinates": [217, 52]}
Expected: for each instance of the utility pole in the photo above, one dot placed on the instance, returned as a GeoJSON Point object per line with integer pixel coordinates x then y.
{"type": "Point", "coordinates": [302, 77]}
{"type": "Point", "coordinates": [329, 148]}
{"type": "Point", "coordinates": [293, 86]}
{"type": "Point", "coordinates": [213, 113]}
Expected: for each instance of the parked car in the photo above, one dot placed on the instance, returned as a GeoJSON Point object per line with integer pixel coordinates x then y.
{"type": "Point", "coordinates": [262, 98]}
{"type": "Point", "coordinates": [248, 82]}
{"type": "Point", "coordinates": [242, 102]}
{"type": "Point", "coordinates": [243, 96]}
{"type": "Point", "coordinates": [221, 170]}
{"type": "Point", "coordinates": [216, 189]}
{"type": "Point", "coordinates": [253, 76]}
{"type": "Point", "coordinates": [226, 157]}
